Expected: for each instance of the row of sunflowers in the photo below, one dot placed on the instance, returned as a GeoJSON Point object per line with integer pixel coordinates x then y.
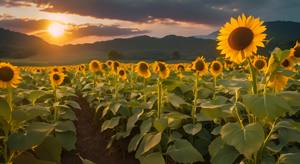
{"type": "Point", "coordinates": [241, 107]}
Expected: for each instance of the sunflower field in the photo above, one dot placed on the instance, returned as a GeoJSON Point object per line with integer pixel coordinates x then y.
{"type": "Point", "coordinates": [240, 108]}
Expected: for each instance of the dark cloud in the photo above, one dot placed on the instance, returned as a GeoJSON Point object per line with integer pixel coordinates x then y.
{"type": "Point", "coordinates": [106, 31]}
{"type": "Point", "coordinates": [76, 31]}
{"type": "Point", "coordinates": [24, 25]}
{"type": "Point", "coordinates": [212, 12]}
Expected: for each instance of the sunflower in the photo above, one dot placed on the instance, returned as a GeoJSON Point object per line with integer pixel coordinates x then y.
{"type": "Point", "coordinates": [216, 68]}
{"type": "Point", "coordinates": [142, 69]}
{"type": "Point", "coordinates": [287, 63]}
{"type": "Point", "coordinates": [114, 66]}
{"type": "Point", "coordinates": [94, 66]}
{"type": "Point", "coordinates": [55, 69]}
{"type": "Point", "coordinates": [199, 66]}
{"type": "Point", "coordinates": [9, 76]}
{"type": "Point", "coordinates": [295, 52]}
{"type": "Point", "coordinates": [260, 63]}
{"type": "Point", "coordinates": [109, 63]}
{"type": "Point", "coordinates": [57, 78]}
{"type": "Point", "coordinates": [103, 67]}
{"type": "Point", "coordinates": [278, 82]}
{"type": "Point", "coordinates": [82, 67]}
{"type": "Point", "coordinates": [122, 73]}
{"type": "Point", "coordinates": [161, 69]}
{"type": "Point", "coordinates": [180, 68]}
{"type": "Point", "coordinates": [239, 38]}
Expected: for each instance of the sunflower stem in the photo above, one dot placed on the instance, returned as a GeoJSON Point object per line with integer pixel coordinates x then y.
{"type": "Point", "coordinates": [253, 77]}
{"type": "Point", "coordinates": [159, 96]}
{"type": "Point", "coordinates": [194, 108]}
{"type": "Point", "coordinates": [145, 86]}
{"type": "Point", "coordinates": [55, 101]}
{"type": "Point", "coordinates": [236, 108]}
{"type": "Point", "coordinates": [215, 85]}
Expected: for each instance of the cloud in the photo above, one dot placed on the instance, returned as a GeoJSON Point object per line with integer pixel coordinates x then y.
{"type": "Point", "coordinates": [212, 12]}
{"type": "Point", "coordinates": [32, 26]}
{"type": "Point", "coordinates": [24, 25]}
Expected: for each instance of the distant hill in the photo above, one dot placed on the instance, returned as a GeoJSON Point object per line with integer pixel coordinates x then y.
{"type": "Point", "coordinates": [283, 34]}
{"type": "Point", "coordinates": [18, 45]}
{"type": "Point", "coordinates": [151, 48]}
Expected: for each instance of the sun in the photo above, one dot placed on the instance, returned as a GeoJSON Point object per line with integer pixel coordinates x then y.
{"type": "Point", "coordinates": [56, 29]}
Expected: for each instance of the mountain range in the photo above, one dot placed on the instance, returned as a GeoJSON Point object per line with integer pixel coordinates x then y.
{"type": "Point", "coordinates": [14, 45]}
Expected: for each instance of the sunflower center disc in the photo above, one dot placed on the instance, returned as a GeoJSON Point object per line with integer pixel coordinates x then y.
{"type": "Point", "coordinates": [285, 63]}
{"type": "Point", "coordinates": [259, 64]}
{"type": "Point", "coordinates": [297, 52]}
{"type": "Point", "coordinates": [143, 67]}
{"type": "Point", "coordinates": [95, 65]}
{"type": "Point", "coordinates": [121, 73]}
{"type": "Point", "coordinates": [180, 68]}
{"type": "Point", "coordinates": [199, 66]}
{"type": "Point", "coordinates": [216, 67]}
{"type": "Point", "coordinates": [56, 77]}
{"type": "Point", "coordinates": [240, 38]}
{"type": "Point", "coordinates": [6, 74]}
{"type": "Point", "coordinates": [162, 67]}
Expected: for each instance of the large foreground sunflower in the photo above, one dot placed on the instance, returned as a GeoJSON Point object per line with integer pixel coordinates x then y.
{"type": "Point", "coordinates": [57, 78]}
{"type": "Point", "coordinates": [199, 66]}
{"type": "Point", "coordinates": [9, 76]}
{"type": "Point", "coordinates": [142, 69]}
{"type": "Point", "coordinates": [239, 38]}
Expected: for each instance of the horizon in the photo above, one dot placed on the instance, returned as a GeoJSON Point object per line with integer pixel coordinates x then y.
{"type": "Point", "coordinates": [63, 23]}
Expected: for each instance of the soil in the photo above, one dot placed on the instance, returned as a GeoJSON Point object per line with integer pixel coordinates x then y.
{"type": "Point", "coordinates": [91, 143]}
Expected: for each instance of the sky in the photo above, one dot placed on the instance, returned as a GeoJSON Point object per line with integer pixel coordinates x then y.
{"type": "Point", "coordinates": [88, 21]}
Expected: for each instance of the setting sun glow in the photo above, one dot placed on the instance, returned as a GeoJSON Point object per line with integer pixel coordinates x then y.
{"type": "Point", "coordinates": [56, 29]}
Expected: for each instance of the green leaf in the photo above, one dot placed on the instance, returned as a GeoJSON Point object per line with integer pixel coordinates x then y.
{"type": "Point", "coordinates": [73, 104]}
{"type": "Point", "coordinates": [133, 119]}
{"type": "Point", "coordinates": [110, 124]}
{"type": "Point", "coordinates": [183, 151]}
{"type": "Point", "coordinates": [247, 140]}
{"type": "Point", "coordinates": [160, 124]}
{"type": "Point", "coordinates": [49, 150]}
{"type": "Point", "coordinates": [175, 100]}
{"type": "Point", "coordinates": [221, 153]}
{"type": "Point", "coordinates": [146, 126]}
{"type": "Point", "coordinates": [149, 141]}
{"type": "Point", "coordinates": [67, 140]}
{"type": "Point", "coordinates": [289, 158]}
{"type": "Point", "coordinates": [175, 119]}
{"type": "Point", "coordinates": [153, 158]}
{"type": "Point", "coordinates": [192, 129]}
{"type": "Point", "coordinates": [134, 142]}
{"type": "Point", "coordinates": [27, 113]}
{"type": "Point", "coordinates": [35, 134]}
{"type": "Point", "coordinates": [292, 98]}
{"type": "Point", "coordinates": [5, 109]}
{"type": "Point", "coordinates": [115, 108]}
{"type": "Point", "coordinates": [34, 95]}
{"type": "Point", "coordinates": [85, 161]}
{"type": "Point", "coordinates": [28, 158]}
{"type": "Point", "coordinates": [63, 126]}
{"type": "Point", "coordinates": [266, 107]}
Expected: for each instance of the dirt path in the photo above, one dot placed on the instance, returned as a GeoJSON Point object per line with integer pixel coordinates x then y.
{"type": "Point", "coordinates": [91, 143]}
